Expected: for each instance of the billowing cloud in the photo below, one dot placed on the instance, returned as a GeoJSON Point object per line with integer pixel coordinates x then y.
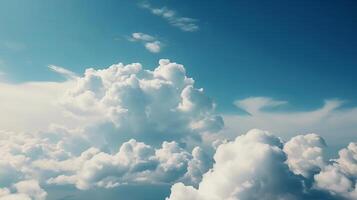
{"type": "Point", "coordinates": [25, 190]}
{"type": "Point", "coordinates": [305, 154]}
{"type": "Point", "coordinates": [162, 104]}
{"type": "Point", "coordinates": [256, 166]}
{"type": "Point", "coordinates": [99, 112]}
{"type": "Point", "coordinates": [171, 16]}
{"type": "Point", "coordinates": [49, 161]}
{"type": "Point", "coordinates": [151, 43]}
{"type": "Point", "coordinates": [340, 178]}
{"type": "Point", "coordinates": [124, 125]}
{"type": "Point", "coordinates": [135, 162]}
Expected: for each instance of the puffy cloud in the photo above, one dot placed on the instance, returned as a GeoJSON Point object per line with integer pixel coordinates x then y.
{"type": "Point", "coordinates": [142, 104]}
{"type": "Point", "coordinates": [87, 117]}
{"type": "Point", "coordinates": [250, 167]}
{"type": "Point", "coordinates": [135, 162]}
{"type": "Point", "coordinates": [153, 47]}
{"type": "Point", "coordinates": [255, 166]}
{"type": "Point", "coordinates": [348, 159]}
{"type": "Point", "coordinates": [183, 23]}
{"type": "Point", "coordinates": [305, 154]}
{"type": "Point", "coordinates": [25, 190]}
{"type": "Point", "coordinates": [118, 106]}
{"type": "Point", "coordinates": [340, 177]}
{"type": "Point", "coordinates": [151, 43]}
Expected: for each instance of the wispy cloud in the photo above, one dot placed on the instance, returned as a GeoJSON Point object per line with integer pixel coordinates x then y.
{"type": "Point", "coordinates": [184, 23]}
{"type": "Point", "coordinates": [327, 120]}
{"type": "Point", "coordinates": [150, 42]}
{"type": "Point", "coordinates": [65, 72]}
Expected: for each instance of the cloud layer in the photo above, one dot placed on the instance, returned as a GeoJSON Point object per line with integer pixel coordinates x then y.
{"type": "Point", "coordinates": [259, 165]}
{"type": "Point", "coordinates": [124, 125]}
{"type": "Point", "coordinates": [331, 120]}
{"type": "Point", "coordinates": [105, 109]}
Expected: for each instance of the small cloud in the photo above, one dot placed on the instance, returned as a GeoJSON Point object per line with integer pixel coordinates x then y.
{"type": "Point", "coordinates": [153, 47]}
{"type": "Point", "coordinates": [253, 105]}
{"type": "Point", "coordinates": [65, 72]}
{"type": "Point", "coordinates": [142, 36]}
{"type": "Point", "coordinates": [150, 42]}
{"type": "Point", "coordinates": [184, 23]}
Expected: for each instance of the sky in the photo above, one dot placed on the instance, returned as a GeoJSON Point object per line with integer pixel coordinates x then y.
{"type": "Point", "coordinates": [198, 83]}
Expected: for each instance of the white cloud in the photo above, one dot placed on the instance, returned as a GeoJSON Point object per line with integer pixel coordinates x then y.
{"type": "Point", "coordinates": [142, 37]}
{"type": "Point", "coordinates": [153, 47]}
{"type": "Point", "coordinates": [68, 132]}
{"type": "Point", "coordinates": [331, 121]}
{"type": "Point", "coordinates": [25, 190]}
{"type": "Point", "coordinates": [256, 166]}
{"type": "Point", "coordinates": [183, 23]}
{"type": "Point", "coordinates": [65, 72]}
{"type": "Point", "coordinates": [340, 178]}
{"type": "Point", "coordinates": [150, 42]}
{"type": "Point", "coordinates": [305, 154]}
{"type": "Point", "coordinates": [162, 104]}
{"type": "Point", "coordinates": [32, 106]}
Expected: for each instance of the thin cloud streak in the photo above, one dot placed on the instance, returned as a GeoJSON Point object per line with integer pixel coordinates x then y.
{"type": "Point", "coordinates": [186, 24]}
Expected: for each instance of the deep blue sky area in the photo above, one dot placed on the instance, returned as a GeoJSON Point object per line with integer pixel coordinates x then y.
{"type": "Point", "coordinates": [299, 51]}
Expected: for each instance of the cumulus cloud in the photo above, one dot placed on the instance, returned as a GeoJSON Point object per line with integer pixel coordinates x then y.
{"type": "Point", "coordinates": [135, 162]}
{"type": "Point", "coordinates": [25, 190]}
{"type": "Point", "coordinates": [162, 104]}
{"type": "Point", "coordinates": [259, 165]}
{"type": "Point", "coordinates": [125, 125]}
{"type": "Point", "coordinates": [103, 110]}
{"type": "Point", "coordinates": [48, 160]}
{"type": "Point", "coordinates": [150, 42]}
{"type": "Point", "coordinates": [305, 154]}
{"type": "Point", "coordinates": [340, 178]}
{"type": "Point", "coordinates": [183, 23]}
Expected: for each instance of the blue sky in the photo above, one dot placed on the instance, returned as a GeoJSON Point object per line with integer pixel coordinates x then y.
{"type": "Point", "coordinates": [279, 99]}
{"type": "Point", "coordinates": [302, 52]}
